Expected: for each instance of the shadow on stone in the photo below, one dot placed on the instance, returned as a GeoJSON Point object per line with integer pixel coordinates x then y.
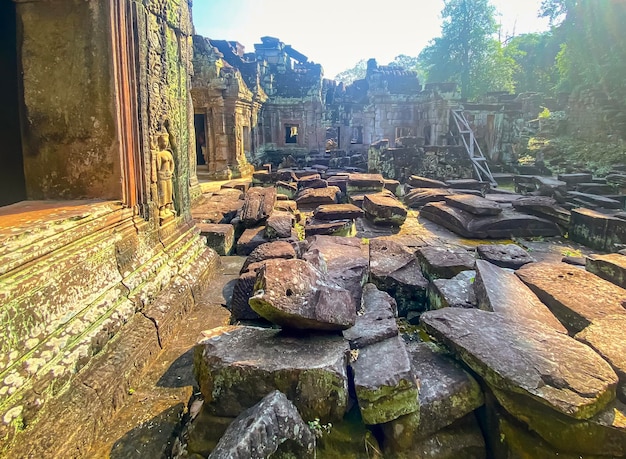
{"type": "Point", "coordinates": [180, 372]}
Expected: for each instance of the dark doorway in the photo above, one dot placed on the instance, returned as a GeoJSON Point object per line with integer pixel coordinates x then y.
{"type": "Point", "coordinates": [12, 181]}
{"type": "Point", "coordinates": [199, 122]}
{"type": "Point", "coordinates": [291, 133]}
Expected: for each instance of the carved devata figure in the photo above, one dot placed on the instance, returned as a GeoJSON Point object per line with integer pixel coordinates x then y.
{"type": "Point", "coordinates": [162, 173]}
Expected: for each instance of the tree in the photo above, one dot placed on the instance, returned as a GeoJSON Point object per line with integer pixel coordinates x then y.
{"type": "Point", "coordinates": [467, 51]}
{"type": "Point", "coordinates": [535, 56]}
{"type": "Point", "coordinates": [355, 73]}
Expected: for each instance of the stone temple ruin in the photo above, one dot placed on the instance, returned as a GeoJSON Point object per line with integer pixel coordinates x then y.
{"type": "Point", "coordinates": [213, 253]}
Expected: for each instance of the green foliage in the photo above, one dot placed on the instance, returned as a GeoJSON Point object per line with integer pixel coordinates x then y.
{"type": "Point", "coordinates": [535, 57]}
{"type": "Point", "coordinates": [467, 51]}
{"type": "Point", "coordinates": [352, 74]}
{"type": "Point", "coordinates": [319, 429]}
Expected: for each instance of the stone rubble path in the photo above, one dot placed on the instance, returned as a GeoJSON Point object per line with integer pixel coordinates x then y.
{"type": "Point", "coordinates": [147, 425]}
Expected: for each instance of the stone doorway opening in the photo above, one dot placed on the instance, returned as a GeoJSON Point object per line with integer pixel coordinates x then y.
{"type": "Point", "coordinates": [199, 122]}
{"type": "Point", "coordinates": [12, 178]}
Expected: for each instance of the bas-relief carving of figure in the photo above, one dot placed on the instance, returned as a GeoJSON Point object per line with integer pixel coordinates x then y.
{"type": "Point", "coordinates": [162, 173]}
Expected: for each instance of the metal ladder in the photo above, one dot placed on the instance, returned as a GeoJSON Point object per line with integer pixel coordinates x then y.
{"type": "Point", "coordinates": [472, 148]}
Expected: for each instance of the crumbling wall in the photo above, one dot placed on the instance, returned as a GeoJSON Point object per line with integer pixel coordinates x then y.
{"type": "Point", "coordinates": [592, 116]}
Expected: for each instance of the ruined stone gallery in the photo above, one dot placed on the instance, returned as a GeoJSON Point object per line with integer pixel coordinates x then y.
{"type": "Point", "coordinates": [209, 252]}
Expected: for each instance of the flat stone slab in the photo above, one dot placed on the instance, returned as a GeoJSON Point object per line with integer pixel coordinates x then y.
{"type": "Point", "coordinates": [395, 270]}
{"type": "Point", "coordinates": [357, 199]}
{"type": "Point", "coordinates": [606, 337]}
{"type": "Point", "coordinates": [501, 291]}
{"type": "Point", "coordinates": [384, 383]}
{"type": "Point", "coordinates": [417, 181]}
{"type": "Point", "coordinates": [237, 366]}
{"type": "Point", "coordinates": [457, 292]}
{"type": "Point", "coordinates": [259, 431]}
{"type": "Point", "coordinates": [258, 205]}
{"type": "Point", "coordinates": [276, 249]}
{"type": "Point", "coordinates": [544, 207]}
{"type": "Point", "coordinates": [534, 361]}
{"type": "Point", "coordinates": [611, 267]}
{"type": "Point", "coordinates": [250, 239]}
{"type": "Point", "coordinates": [597, 230]}
{"type": "Point", "coordinates": [596, 200]}
{"type": "Point", "coordinates": [447, 393]}
{"type": "Point", "coordinates": [365, 182]}
{"type": "Point", "coordinates": [313, 197]}
{"type": "Point", "coordinates": [573, 179]}
{"type": "Point", "coordinates": [219, 237]}
{"type": "Point", "coordinates": [419, 197]}
{"type": "Point", "coordinates": [375, 321]}
{"type": "Point", "coordinates": [439, 262]}
{"type": "Point", "coordinates": [384, 210]}
{"type": "Point", "coordinates": [219, 212]}
{"type": "Point", "coordinates": [314, 227]}
{"type": "Point", "coordinates": [294, 294]}
{"type": "Point", "coordinates": [241, 185]}
{"type": "Point", "coordinates": [288, 189]}
{"type": "Point", "coordinates": [338, 212]}
{"type": "Point", "coordinates": [474, 204]}
{"type": "Point", "coordinates": [575, 296]}
{"type": "Point", "coordinates": [286, 205]}
{"type": "Point", "coordinates": [312, 182]}
{"type": "Point", "coordinates": [505, 225]}
{"type": "Point", "coordinates": [510, 256]}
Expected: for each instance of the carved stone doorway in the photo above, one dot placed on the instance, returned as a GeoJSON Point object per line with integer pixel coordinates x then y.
{"type": "Point", "coordinates": [12, 180]}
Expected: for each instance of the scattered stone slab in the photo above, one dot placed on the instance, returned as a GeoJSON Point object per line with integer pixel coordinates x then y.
{"type": "Point", "coordinates": [310, 369]}
{"type": "Point", "coordinates": [360, 183]}
{"type": "Point", "coordinates": [357, 199]}
{"type": "Point", "coordinates": [544, 207]}
{"type": "Point", "coordinates": [262, 177]}
{"type": "Point", "coordinates": [259, 431]}
{"type": "Point", "coordinates": [396, 271]}
{"type": "Point", "coordinates": [461, 440]}
{"type": "Point", "coordinates": [294, 294]}
{"type": "Point", "coordinates": [384, 383]}
{"type": "Point", "coordinates": [439, 262]}
{"type": "Point", "coordinates": [289, 189]}
{"type": "Point", "coordinates": [606, 337]}
{"type": "Point", "coordinates": [384, 210]}
{"type": "Point", "coordinates": [258, 205]}
{"type": "Point", "coordinates": [501, 291]}
{"type": "Point", "coordinates": [575, 261]}
{"type": "Point", "coordinates": [597, 230]}
{"type": "Point", "coordinates": [250, 239]}
{"type": "Point", "coordinates": [393, 186]}
{"type": "Point", "coordinates": [286, 175]}
{"type": "Point", "coordinates": [447, 393]}
{"type": "Point", "coordinates": [279, 225]}
{"type": "Point", "coordinates": [338, 212]}
{"type": "Point", "coordinates": [345, 260]}
{"type": "Point", "coordinates": [457, 292]}
{"type": "Point", "coordinates": [340, 181]}
{"type": "Point", "coordinates": [242, 291]}
{"type": "Point", "coordinates": [503, 198]}
{"type": "Point", "coordinates": [219, 212]}
{"type": "Point", "coordinates": [375, 322]}
{"type": "Point", "coordinates": [242, 185]}
{"type": "Point", "coordinates": [602, 435]}
{"type": "Point", "coordinates": [219, 237]}
{"type": "Point", "coordinates": [505, 225]}
{"type": "Point", "coordinates": [474, 204]}
{"type": "Point", "coordinates": [313, 197]}
{"type": "Point", "coordinates": [596, 200]}
{"type": "Point", "coordinates": [573, 179]}
{"type": "Point", "coordinates": [510, 256]}
{"type": "Point", "coordinates": [575, 296]}
{"type": "Point", "coordinates": [275, 249]}
{"type": "Point", "coordinates": [286, 206]}
{"type": "Point", "coordinates": [417, 181]}
{"type": "Point", "coordinates": [227, 194]}
{"type": "Point", "coordinates": [469, 184]}
{"type": "Point", "coordinates": [534, 361]}
{"type": "Point", "coordinates": [418, 197]}
{"type": "Point", "coordinates": [611, 267]}
{"type": "Point", "coordinates": [314, 227]}
{"type": "Point", "coordinates": [312, 182]}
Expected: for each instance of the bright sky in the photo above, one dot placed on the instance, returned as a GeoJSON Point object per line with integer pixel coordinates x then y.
{"type": "Point", "coordinates": [339, 33]}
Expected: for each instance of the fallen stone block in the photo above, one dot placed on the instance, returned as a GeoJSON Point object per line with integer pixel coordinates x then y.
{"type": "Point", "coordinates": [314, 227]}
{"type": "Point", "coordinates": [544, 207]}
{"type": "Point", "coordinates": [447, 393]}
{"type": "Point", "coordinates": [396, 271]}
{"type": "Point", "coordinates": [457, 292]}
{"type": "Point", "coordinates": [509, 256]}
{"type": "Point", "coordinates": [242, 291]}
{"type": "Point", "coordinates": [237, 366]}
{"type": "Point", "coordinates": [338, 212]}
{"type": "Point", "coordinates": [417, 181]}
{"type": "Point", "coordinates": [475, 205]}
{"type": "Point", "coordinates": [393, 186]}
{"type": "Point", "coordinates": [219, 237]}
{"type": "Point", "coordinates": [269, 426]}
{"type": "Point", "coordinates": [376, 320]}
{"type": "Point", "coordinates": [419, 197]}
{"type": "Point", "coordinates": [438, 262]}
{"type": "Point", "coordinates": [357, 199]}
{"type": "Point", "coordinates": [279, 225]}
{"type": "Point", "coordinates": [575, 296]}
{"type": "Point", "coordinates": [257, 206]}
{"type": "Point", "coordinates": [294, 294]}
{"type": "Point", "coordinates": [531, 360]}
{"type": "Point", "coordinates": [597, 230]}
{"type": "Point", "coordinates": [313, 197]}
{"type": "Point", "coordinates": [288, 189]}
{"type": "Point", "coordinates": [503, 292]}
{"type": "Point", "coordinates": [606, 337]}
{"type": "Point", "coordinates": [384, 210]}
{"type": "Point", "coordinates": [276, 249]}
{"type": "Point", "coordinates": [286, 205]}
{"type": "Point", "coordinates": [611, 267]}
{"type": "Point", "coordinates": [385, 386]}
{"type": "Point", "coordinates": [360, 183]}
{"type": "Point", "coordinates": [241, 185]}
{"type": "Point", "coordinates": [250, 240]}
{"type": "Point", "coordinates": [312, 182]}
